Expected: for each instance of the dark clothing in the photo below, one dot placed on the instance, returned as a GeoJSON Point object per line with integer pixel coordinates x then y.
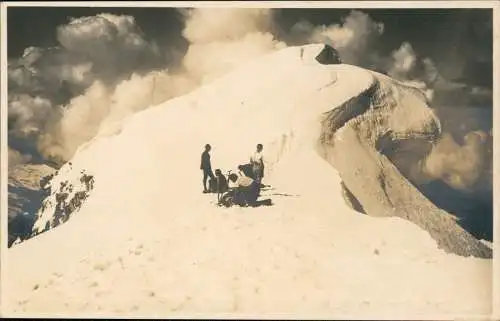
{"type": "Point", "coordinates": [241, 195]}
{"type": "Point", "coordinates": [247, 195]}
{"type": "Point", "coordinates": [212, 185]}
{"type": "Point", "coordinates": [207, 169]}
{"type": "Point", "coordinates": [205, 161]}
{"type": "Point", "coordinates": [247, 169]}
{"type": "Point", "coordinates": [222, 185]}
{"type": "Point", "coordinates": [206, 174]}
{"type": "Point", "coordinates": [258, 172]}
{"type": "Point", "coordinates": [218, 185]}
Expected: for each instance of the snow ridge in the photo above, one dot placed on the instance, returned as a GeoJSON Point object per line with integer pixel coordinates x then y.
{"type": "Point", "coordinates": [341, 98]}
{"type": "Point", "coordinates": [146, 233]}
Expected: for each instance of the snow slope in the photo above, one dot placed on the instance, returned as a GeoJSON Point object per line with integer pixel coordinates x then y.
{"type": "Point", "coordinates": [147, 242]}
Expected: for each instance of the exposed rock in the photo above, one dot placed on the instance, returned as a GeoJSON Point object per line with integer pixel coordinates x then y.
{"type": "Point", "coordinates": [59, 206]}
{"type": "Point", "coordinates": [26, 192]}
{"type": "Point", "coordinates": [61, 198]}
{"type": "Point", "coordinates": [328, 56]}
{"type": "Point", "coordinates": [351, 141]}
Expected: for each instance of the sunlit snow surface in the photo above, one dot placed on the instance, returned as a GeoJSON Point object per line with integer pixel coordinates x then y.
{"type": "Point", "coordinates": [147, 242]}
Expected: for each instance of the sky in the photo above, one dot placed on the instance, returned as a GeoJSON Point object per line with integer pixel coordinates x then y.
{"type": "Point", "coordinates": [450, 37]}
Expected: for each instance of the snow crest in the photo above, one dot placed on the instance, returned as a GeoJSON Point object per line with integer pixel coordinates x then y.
{"type": "Point", "coordinates": [147, 241]}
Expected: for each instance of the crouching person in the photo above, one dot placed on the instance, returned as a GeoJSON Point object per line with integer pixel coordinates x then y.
{"type": "Point", "coordinates": [246, 190]}
{"type": "Point", "coordinates": [218, 184]}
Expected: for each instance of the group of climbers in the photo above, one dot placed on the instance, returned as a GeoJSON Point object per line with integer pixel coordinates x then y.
{"type": "Point", "coordinates": [242, 188]}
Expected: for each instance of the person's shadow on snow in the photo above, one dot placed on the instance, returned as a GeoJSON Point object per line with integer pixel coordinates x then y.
{"type": "Point", "coordinates": [265, 202]}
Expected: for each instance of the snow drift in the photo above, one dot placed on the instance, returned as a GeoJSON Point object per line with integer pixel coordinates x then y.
{"type": "Point", "coordinates": [145, 240]}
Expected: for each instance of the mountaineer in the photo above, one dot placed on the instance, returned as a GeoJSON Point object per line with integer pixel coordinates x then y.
{"type": "Point", "coordinates": [206, 167]}
{"type": "Point", "coordinates": [245, 190]}
{"type": "Point", "coordinates": [219, 183]}
{"type": "Point", "coordinates": [257, 162]}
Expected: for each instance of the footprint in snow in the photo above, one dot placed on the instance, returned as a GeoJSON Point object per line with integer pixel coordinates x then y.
{"type": "Point", "coordinates": [135, 252]}
{"type": "Point", "coordinates": [101, 293]}
{"type": "Point", "coordinates": [120, 260]}
{"type": "Point", "coordinates": [51, 282]}
{"type": "Point", "coordinates": [102, 266]}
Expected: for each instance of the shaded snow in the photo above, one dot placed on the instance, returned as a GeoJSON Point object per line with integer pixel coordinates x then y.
{"type": "Point", "coordinates": [148, 242]}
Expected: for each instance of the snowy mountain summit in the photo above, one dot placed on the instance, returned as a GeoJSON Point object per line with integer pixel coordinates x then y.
{"type": "Point", "coordinates": [142, 238]}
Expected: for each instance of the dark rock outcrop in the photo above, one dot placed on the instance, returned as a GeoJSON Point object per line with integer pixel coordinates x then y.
{"type": "Point", "coordinates": [68, 200]}
{"type": "Point", "coordinates": [26, 191]}
{"type": "Point", "coordinates": [328, 56]}
{"type": "Point", "coordinates": [61, 200]}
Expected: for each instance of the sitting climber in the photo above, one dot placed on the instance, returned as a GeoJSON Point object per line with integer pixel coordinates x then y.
{"type": "Point", "coordinates": [246, 170]}
{"type": "Point", "coordinates": [212, 185]}
{"type": "Point", "coordinates": [218, 184]}
{"type": "Point", "coordinates": [245, 191]}
{"type": "Point", "coordinates": [222, 185]}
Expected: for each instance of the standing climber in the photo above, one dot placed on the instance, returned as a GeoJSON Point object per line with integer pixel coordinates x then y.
{"type": "Point", "coordinates": [257, 162]}
{"type": "Point", "coordinates": [206, 167]}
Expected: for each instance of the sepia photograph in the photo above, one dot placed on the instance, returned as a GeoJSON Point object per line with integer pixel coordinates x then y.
{"type": "Point", "coordinates": [253, 159]}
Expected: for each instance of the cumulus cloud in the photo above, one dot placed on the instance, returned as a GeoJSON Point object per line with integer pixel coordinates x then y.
{"type": "Point", "coordinates": [220, 39]}
{"type": "Point", "coordinates": [464, 166]}
{"type": "Point", "coordinates": [208, 61]}
{"type": "Point", "coordinates": [355, 38]}
{"type": "Point", "coordinates": [59, 95]}
{"type": "Point", "coordinates": [78, 122]}
{"type": "Point", "coordinates": [28, 113]}
{"type": "Point", "coordinates": [105, 69]}
{"type": "Point", "coordinates": [114, 44]}
{"type": "Point", "coordinates": [405, 61]}
{"type": "Point", "coordinates": [459, 165]}
{"type": "Point", "coordinates": [208, 25]}
{"type": "Point", "coordinates": [16, 158]}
